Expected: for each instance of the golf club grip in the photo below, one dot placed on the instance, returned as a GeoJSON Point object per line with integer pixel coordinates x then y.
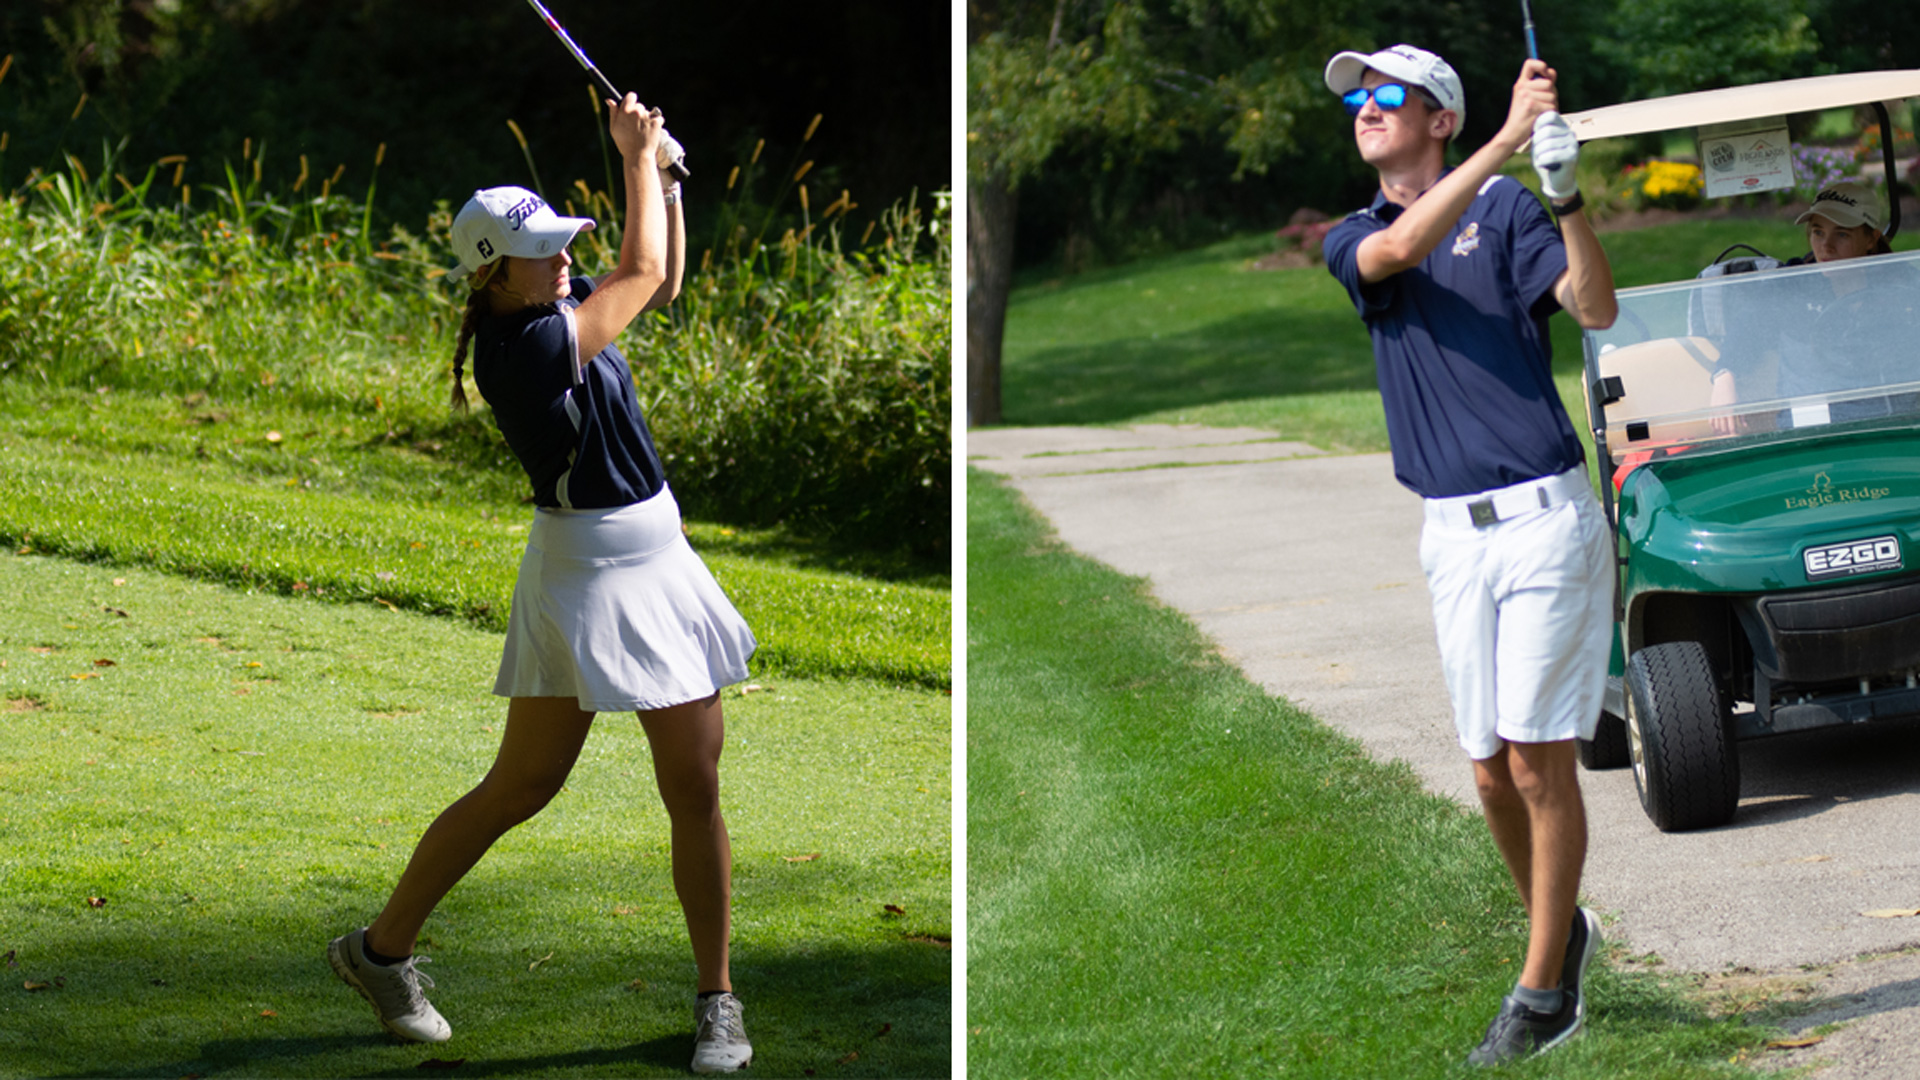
{"type": "Point", "coordinates": [678, 170]}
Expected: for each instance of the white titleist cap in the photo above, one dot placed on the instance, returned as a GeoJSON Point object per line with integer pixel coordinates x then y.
{"type": "Point", "coordinates": [1846, 204]}
{"type": "Point", "coordinates": [509, 221]}
{"type": "Point", "coordinates": [1415, 67]}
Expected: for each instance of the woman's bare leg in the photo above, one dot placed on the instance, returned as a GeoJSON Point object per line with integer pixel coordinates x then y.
{"type": "Point", "coordinates": [542, 741]}
{"type": "Point", "coordinates": [686, 741]}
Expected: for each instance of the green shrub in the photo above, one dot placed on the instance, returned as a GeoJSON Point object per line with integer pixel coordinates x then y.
{"type": "Point", "coordinates": [807, 385]}
{"type": "Point", "coordinates": [796, 381]}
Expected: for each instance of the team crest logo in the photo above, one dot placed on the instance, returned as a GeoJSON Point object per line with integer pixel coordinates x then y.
{"type": "Point", "coordinates": [1468, 240]}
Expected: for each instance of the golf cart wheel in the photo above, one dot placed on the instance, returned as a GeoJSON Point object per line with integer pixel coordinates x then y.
{"type": "Point", "coordinates": [1680, 737]}
{"type": "Point", "coordinates": [1608, 748]}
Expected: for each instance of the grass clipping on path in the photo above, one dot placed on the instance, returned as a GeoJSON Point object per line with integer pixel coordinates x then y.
{"type": "Point", "coordinates": [1196, 878]}
{"type": "Point", "coordinates": [199, 787]}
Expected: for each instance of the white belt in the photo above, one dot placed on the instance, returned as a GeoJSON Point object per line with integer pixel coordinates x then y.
{"type": "Point", "coordinates": [1486, 508]}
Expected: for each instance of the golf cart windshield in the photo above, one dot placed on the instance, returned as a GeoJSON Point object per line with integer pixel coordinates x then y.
{"type": "Point", "coordinates": [1769, 354]}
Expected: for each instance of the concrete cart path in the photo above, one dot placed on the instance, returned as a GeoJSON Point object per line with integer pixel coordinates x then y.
{"type": "Point", "coordinates": [1304, 568]}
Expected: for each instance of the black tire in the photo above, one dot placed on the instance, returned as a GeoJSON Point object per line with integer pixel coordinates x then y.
{"type": "Point", "coordinates": [1680, 737]}
{"type": "Point", "coordinates": [1608, 749]}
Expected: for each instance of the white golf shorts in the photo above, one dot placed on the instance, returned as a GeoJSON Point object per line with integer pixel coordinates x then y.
{"type": "Point", "coordinates": [1523, 607]}
{"type": "Point", "coordinates": [614, 609]}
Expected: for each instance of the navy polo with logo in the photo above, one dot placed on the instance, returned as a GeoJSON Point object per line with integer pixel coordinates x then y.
{"type": "Point", "coordinates": [1461, 344]}
{"type": "Point", "coordinates": [583, 444]}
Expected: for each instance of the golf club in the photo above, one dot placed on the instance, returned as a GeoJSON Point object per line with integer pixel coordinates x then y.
{"type": "Point", "coordinates": [1533, 53]}
{"type": "Point", "coordinates": [679, 170]}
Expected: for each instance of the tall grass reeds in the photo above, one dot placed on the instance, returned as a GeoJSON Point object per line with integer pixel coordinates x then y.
{"type": "Point", "coordinates": [801, 379]}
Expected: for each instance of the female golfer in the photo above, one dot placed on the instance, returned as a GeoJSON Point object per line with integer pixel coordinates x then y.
{"type": "Point", "coordinates": [612, 609]}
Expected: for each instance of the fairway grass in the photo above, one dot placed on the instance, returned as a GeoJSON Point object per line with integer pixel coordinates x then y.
{"type": "Point", "coordinates": [1171, 874]}
{"type": "Point", "coordinates": [200, 786]}
{"type": "Point", "coordinates": [335, 504]}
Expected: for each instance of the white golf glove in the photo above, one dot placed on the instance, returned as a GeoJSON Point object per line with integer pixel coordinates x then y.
{"type": "Point", "coordinates": [1555, 153]}
{"type": "Point", "coordinates": [671, 151]}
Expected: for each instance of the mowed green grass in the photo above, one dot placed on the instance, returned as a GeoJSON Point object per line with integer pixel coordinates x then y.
{"type": "Point", "coordinates": [1203, 338]}
{"type": "Point", "coordinates": [332, 502]}
{"type": "Point", "coordinates": [200, 785]}
{"type": "Point", "coordinates": [1171, 874]}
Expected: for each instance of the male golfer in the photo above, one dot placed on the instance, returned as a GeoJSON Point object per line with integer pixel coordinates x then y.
{"type": "Point", "coordinates": [1455, 272]}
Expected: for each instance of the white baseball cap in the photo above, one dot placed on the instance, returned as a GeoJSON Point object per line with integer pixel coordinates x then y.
{"type": "Point", "coordinates": [509, 221]}
{"type": "Point", "coordinates": [1415, 67]}
{"type": "Point", "coordinates": [1846, 204]}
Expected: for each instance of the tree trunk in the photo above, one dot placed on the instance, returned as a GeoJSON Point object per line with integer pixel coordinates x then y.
{"type": "Point", "coordinates": [991, 205]}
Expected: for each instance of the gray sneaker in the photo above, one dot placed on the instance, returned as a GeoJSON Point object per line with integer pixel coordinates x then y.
{"type": "Point", "coordinates": [394, 992]}
{"type": "Point", "coordinates": [1582, 943]}
{"type": "Point", "coordinates": [1519, 1032]}
{"type": "Point", "coordinates": [720, 1036]}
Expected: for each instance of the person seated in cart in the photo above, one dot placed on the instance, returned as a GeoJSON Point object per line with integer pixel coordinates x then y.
{"type": "Point", "coordinates": [1826, 345]}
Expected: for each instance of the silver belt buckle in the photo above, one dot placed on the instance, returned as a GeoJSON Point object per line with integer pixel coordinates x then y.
{"type": "Point", "coordinates": [1482, 513]}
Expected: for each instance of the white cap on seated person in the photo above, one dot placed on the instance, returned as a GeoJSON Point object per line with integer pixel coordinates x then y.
{"type": "Point", "coordinates": [1849, 204]}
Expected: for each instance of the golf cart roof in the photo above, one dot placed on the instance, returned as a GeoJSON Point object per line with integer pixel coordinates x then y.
{"type": "Point", "coordinates": [1744, 103]}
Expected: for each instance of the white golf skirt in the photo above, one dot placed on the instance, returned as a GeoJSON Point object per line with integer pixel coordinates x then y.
{"type": "Point", "coordinates": [613, 608]}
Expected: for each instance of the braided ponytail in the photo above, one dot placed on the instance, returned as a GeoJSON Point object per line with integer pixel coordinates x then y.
{"type": "Point", "coordinates": [477, 309]}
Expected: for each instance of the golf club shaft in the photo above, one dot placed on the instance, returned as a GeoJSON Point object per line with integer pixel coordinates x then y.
{"type": "Point", "coordinates": [1533, 53]}
{"type": "Point", "coordinates": [678, 170]}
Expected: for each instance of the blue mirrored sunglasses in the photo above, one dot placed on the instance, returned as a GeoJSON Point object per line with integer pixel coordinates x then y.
{"type": "Point", "coordinates": [1389, 96]}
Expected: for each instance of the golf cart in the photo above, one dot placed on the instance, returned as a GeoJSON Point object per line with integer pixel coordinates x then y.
{"type": "Point", "coordinates": [1758, 434]}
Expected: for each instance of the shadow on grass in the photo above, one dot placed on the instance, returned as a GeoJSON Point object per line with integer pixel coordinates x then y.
{"type": "Point", "coordinates": [1269, 353]}
{"type": "Point", "coordinates": [790, 548]}
{"type": "Point", "coordinates": [881, 1009]}
{"type": "Point", "coordinates": [667, 1053]}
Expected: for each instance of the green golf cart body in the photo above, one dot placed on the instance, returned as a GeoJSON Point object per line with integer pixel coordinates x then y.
{"type": "Point", "coordinates": [1768, 528]}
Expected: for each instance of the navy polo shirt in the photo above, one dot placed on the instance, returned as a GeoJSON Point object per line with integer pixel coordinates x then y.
{"type": "Point", "coordinates": [582, 441]}
{"type": "Point", "coordinates": [1460, 342]}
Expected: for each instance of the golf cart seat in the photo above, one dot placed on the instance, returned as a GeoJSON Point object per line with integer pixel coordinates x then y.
{"type": "Point", "coordinates": [1662, 377]}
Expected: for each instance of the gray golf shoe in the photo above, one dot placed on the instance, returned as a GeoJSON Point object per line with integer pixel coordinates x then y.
{"type": "Point", "coordinates": [394, 992]}
{"type": "Point", "coordinates": [1582, 943]}
{"type": "Point", "coordinates": [720, 1036]}
{"type": "Point", "coordinates": [1519, 1032]}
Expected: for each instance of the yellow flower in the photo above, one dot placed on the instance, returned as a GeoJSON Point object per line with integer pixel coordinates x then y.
{"type": "Point", "coordinates": [1667, 178]}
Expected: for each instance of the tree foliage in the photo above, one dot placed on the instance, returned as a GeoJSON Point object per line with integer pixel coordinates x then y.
{"type": "Point", "coordinates": [437, 81]}
{"type": "Point", "coordinates": [1863, 35]}
{"type": "Point", "coordinates": [1262, 139]}
{"type": "Point", "coordinates": [1675, 46]}
{"type": "Point", "coordinates": [1138, 77]}
{"type": "Point", "coordinates": [1126, 81]}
